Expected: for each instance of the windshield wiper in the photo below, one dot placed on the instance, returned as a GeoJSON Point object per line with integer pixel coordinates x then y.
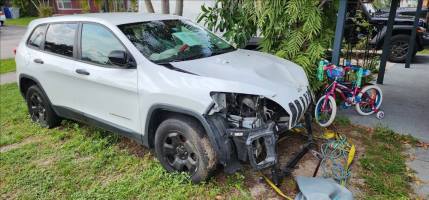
{"type": "Point", "coordinates": [222, 51]}
{"type": "Point", "coordinates": [170, 66]}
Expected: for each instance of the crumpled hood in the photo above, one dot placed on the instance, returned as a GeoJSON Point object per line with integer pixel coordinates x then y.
{"type": "Point", "coordinates": [250, 67]}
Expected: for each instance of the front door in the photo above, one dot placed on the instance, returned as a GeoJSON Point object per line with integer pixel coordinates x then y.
{"type": "Point", "coordinates": [106, 92]}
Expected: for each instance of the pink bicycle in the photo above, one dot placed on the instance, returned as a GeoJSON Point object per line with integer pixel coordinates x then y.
{"type": "Point", "coordinates": [367, 100]}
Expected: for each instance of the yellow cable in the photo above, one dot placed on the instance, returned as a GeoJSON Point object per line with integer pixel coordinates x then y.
{"type": "Point", "coordinates": [275, 187]}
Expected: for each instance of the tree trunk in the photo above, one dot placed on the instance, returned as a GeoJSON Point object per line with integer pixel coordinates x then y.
{"type": "Point", "coordinates": [165, 4]}
{"type": "Point", "coordinates": [106, 6]}
{"type": "Point", "coordinates": [149, 6]}
{"type": "Point", "coordinates": [179, 7]}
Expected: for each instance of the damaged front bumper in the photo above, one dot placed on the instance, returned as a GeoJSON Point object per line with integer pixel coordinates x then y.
{"type": "Point", "coordinates": [256, 146]}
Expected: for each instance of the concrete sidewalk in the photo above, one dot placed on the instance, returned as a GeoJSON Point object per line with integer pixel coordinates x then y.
{"type": "Point", "coordinates": [9, 39]}
{"type": "Point", "coordinates": [405, 100]}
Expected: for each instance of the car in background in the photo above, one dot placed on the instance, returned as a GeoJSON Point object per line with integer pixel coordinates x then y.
{"type": "Point", "coordinates": [401, 34]}
{"type": "Point", "coordinates": [2, 18]}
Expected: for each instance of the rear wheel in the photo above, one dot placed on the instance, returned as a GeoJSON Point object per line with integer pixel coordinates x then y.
{"type": "Point", "coordinates": [182, 145]}
{"type": "Point", "coordinates": [40, 109]}
{"type": "Point", "coordinates": [371, 98]}
{"type": "Point", "coordinates": [399, 48]}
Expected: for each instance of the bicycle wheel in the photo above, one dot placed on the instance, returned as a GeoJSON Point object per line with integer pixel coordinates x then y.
{"type": "Point", "coordinates": [325, 115]}
{"type": "Point", "coordinates": [370, 97]}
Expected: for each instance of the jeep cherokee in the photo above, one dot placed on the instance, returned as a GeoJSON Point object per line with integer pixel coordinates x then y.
{"type": "Point", "coordinates": [164, 82]}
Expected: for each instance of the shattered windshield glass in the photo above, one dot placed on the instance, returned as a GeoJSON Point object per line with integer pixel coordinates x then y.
{"type": "Point", "coordinates": [174, 40]}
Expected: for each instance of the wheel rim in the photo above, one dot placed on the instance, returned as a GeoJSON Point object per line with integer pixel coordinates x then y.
{"type": "Point", "coordinates": [37, 109]}
{"type": "Point", "coordinates": [323, 115]}
{"type": "Point", "coordinates": [399, 49]}
{"type": "Point", "coordinates": [178, 152]}
{"type": "Point", "coordinates": [371, 98]}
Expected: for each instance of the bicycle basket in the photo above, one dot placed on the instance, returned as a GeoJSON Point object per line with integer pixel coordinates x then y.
{"type": "Point", "coordinates": [337, 72]}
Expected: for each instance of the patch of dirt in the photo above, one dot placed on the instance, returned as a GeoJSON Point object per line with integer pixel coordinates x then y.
{"type": "Point", "coordinates": [45, 162]}
{"type": "Point", "coordinates": [105, 180]}
{"type": "Point", "coordinates": [291, 144]}
{"type": "Point", "coordinates": [83, 159]}
{"type": "Point", "coordinates": [133, 147]}
{"type": "Point", "coordinates": [28, 140]}
{"type": "Point", "coordinates": [11, 195]}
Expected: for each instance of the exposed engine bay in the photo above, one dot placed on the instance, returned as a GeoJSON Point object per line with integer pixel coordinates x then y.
{"type": "Point", "coordinates": [250, 126]}
{"type": "Point", "coordinates": [248, 111]}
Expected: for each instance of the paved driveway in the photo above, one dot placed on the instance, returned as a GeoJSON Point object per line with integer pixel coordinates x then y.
{"type": "Point", "coordinates": [9, 39]}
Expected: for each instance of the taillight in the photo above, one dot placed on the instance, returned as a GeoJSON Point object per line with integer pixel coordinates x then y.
{"type": "Point", "coordinates": [14, 51]}
{"type": "Point", "coordinates": [420, 29]}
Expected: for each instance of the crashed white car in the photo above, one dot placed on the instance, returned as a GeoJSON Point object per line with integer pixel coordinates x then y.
{"type": "Point", "coordinates": [165, 82]}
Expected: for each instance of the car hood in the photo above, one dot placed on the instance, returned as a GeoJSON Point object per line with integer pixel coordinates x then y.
{"type": "Point", "coordinates": [252, 68]}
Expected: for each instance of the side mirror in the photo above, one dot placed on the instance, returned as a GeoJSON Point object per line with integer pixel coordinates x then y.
{"type": "Point", "coordinates": [122, 59]}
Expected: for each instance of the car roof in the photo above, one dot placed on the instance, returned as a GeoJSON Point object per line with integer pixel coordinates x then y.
{"type": "Point", "coordinates": [116, 18]}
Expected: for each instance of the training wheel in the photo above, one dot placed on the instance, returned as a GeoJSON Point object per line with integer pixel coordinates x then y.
{"type": "Point", "coordinates": [380, 115]}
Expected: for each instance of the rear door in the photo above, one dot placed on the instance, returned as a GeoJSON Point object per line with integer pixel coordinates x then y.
{"type": "Point", "coordinates": [106, 92]}
{"type": "Point", "coordinates": [52, 60]}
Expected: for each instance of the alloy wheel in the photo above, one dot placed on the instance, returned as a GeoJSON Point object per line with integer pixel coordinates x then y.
{"type": "Point", "coordinates": [178, 152]}
{"type": "Point", "coordinates": [37, 109]}
{"type": "Point", "coordinates": [399, 49]}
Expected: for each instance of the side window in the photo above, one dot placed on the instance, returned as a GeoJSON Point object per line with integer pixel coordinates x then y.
{"type": "Point", "coordinates": [60, 39]}
{"type": "Point", "coordinates": [97, 43]}
{"type": "Point", "coordinates": [37, 36]}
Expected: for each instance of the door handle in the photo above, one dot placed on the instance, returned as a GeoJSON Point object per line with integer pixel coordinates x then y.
{"type": "Point", "coordinates": [82, 71]}
{"type": "Point", "coordinates": [38, 60]}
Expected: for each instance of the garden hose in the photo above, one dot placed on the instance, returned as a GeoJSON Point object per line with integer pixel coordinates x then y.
{"type": "Point", "coordinates": [337, 151]}
{"type": "Point", "coordinates": [275, 188]}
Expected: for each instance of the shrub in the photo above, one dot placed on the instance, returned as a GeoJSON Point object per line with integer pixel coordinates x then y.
{"type": "Point", "coordinates": [297, 30]}
{"type": "Point", "coordinates": [45, 11]}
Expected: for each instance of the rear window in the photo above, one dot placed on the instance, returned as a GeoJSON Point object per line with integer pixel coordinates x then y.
{"type": "Point", "coordinates": [37, 36]}
{"type": "Point", "coordinates": [60, 39]}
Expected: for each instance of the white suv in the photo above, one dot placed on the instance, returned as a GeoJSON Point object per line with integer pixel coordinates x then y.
{"type": "Point", "coordinates": [165, 82]}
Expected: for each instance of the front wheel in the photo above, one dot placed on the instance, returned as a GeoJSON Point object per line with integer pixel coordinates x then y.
{"type": "Point", "coordinates": [182, 145]}
{"type": "Point", "coordinates": [325, 111]}
{"type": "Point", "coordinates": [370, 97]}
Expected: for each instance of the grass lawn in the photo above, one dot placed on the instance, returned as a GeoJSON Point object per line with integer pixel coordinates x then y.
{"type": "Point", "coordinates": [384, 168]}
{"type": "Point", "coordinates": [23, 21]}
{"type": "Point", "coordinates": [75, 161]}
{"type": "Point", "coordinates": [80, 162]}
{"type": "Point", "coordinates": [7, 65]}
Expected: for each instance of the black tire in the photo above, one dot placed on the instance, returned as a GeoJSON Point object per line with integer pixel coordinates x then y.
{"type": "Point", "coordinates": [40, 109]}
{"type": "Point", "coordinates": [399, 48]}
{"type": "Point", "coordinates": [182, 145]}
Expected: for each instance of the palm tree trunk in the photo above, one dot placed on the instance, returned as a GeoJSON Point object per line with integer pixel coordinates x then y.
{"type": "Point", "coordinates": [179, 7]}
{"type": "Point", "coordinates": [165, 4]}
{"type": "Point", "coordinates": [149, 6]}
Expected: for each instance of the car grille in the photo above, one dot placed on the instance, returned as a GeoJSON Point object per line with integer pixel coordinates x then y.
{"type": "Point", "coordinates": [298, 107]}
